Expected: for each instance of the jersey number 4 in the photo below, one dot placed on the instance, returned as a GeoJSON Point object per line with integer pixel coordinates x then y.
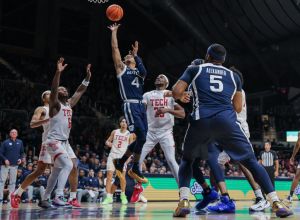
{"type": "Point", "coordinates": [216, 83]}
{"type": "Point", "coordinates": [135, 82]}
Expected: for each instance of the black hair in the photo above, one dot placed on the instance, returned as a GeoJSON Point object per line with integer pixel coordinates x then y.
{"type": "Point", "coordinates": [217, 52]}
{"type": "Point", "coordinates": [197, 62]}
{"type": "Point", "coordinates": [239, 73]}
{"type": "Point", "coordinates": [121, 119]}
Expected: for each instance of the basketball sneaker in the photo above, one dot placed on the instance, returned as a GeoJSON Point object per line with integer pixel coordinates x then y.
{"type": "Point", "coordinates": [143, 199]}
{"type": "Point", "coordinates": [138, 189]}
{"type": "Point", "coordinates": [124, 200]}
{"type": "Point", "coordinates": [46, 204]}
{"type": "Point", "coordinates": [225, 205]}
{"type": "Point", "coordinates": [59, 201]}
{"type": "Point", "coordinates": [260, 205]}
{"type": "Point", "coordinates": [280, 210]}
{"type": "Point", "coordinates": [108, 200]}
{"type": "Point", "coordinates": [15, 200]}
{"type": "Point", "coordinates": [288, 201]}
{"type": "Point", "coordinates": [210, 197]}
{"type": "Point", "coordinates": [183, 208]}
{"type": "Point", "coordinates": [74, 202]}
{"type": "Point", "coordinates": [135, 173]}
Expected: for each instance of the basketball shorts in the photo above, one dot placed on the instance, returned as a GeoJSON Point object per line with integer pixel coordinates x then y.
{"type": "Point", "coordinates": [136, 117]}
{"type": "Point", "coordinates": [222, 128]}
{"type": "Point", "coordinates": [163, 137]}
{"type": "Point", "coordinates": [56, 147]}
{"type": "Point", "coordinates": [110, 165]}
{"type": "Point", "coordinates": [44, 156]}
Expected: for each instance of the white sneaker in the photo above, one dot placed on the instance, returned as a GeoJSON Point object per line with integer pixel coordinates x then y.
{"type": "Point", "coordinates": [143, 199]}
{"type": "Point", "coordinates": [260, 205]}
{"type": "Point", "coordinates": [288, 201]}
{"type": "Point", "coordinates": [59, 201]}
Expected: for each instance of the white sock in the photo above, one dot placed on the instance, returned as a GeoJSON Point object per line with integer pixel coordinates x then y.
{"type": "Point", "coordinates": [72, 196]}
{"type": "Point", "coordinates": [19, 191]}
{"type": "Point", "coordinates": [123, 193]}
{"type": "Point", "coordinates": [109, 195]}
{"type": "Point", "coordinates": [273, 197]}
{"type": "Point", "coordinates": [258, 193]}
{"type": "Point", "coordinates": [184, 193]}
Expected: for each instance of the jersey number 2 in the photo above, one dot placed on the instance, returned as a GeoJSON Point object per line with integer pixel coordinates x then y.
{"type": "Point", "coordinates": [217, 83]}
{"type": "Point", "coordinates": [135, 82]}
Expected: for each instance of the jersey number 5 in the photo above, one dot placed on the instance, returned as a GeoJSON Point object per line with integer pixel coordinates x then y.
{"type": "Point", "coordinates": [217, 83]}
{"type": "Point", "coordinates": [135, 82]}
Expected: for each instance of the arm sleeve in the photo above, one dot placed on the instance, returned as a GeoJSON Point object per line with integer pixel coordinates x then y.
{"type": "Point", "coordinates": [189, 74]}
{"type": "Point", "coordinates": [237, 82]}
{"type": "Point", "coordinates": [2, 157]}
{"type": "Point", "coordinates": [140, 66]}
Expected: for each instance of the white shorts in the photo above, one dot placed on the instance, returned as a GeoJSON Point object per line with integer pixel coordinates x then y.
{"type": "Point", "coordinates": [110, 165]}
{"type": "Point", "coordinates": [223, 158]}
{"type": "Point", "coordinates": [55, 147]}
{"type": "Point", "coordinates": [164, 138]}
{"type": "Point", "coordinates": [44, 155]}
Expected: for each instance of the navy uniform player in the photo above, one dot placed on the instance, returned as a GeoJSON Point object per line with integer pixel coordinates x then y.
{"type": "Point", "coordinates": [131, 74]}
{"type": "Point", "coordinates": [217, 97]}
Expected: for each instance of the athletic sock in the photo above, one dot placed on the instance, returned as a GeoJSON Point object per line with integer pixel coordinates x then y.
{"type": "Point", "coordinates": [72, 196]}
{"type": "Point", "coordinates": [291, 193]}
{"type": "Point", "coordinates": [184, 193]}
{"type": "Point", "coordinates": [19, 191]}
{"type": "Point", "coordinates": [258, 193]}
{"type": "Point", "coordinates": [273, 197]}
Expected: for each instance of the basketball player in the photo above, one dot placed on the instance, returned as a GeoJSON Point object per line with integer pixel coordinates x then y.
{"type": "Point", "coordinates": [131, 75]}
{"type": "Point", "coordinates": [118, 141]}
{"type": "Point", "coordinates": [288, 201]}
{"type": "Point", "coordinates": [217, 97]}
{"type": "Point", "coordinates": [60, 123]}
{"type": "Point", "coordinates": [160, 114]}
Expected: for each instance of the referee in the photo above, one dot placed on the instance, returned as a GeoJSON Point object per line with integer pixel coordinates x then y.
{"type": "Point", "coordinates": [268, 158]}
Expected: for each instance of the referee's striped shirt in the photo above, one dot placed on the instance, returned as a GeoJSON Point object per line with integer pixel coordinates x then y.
{"type": "Point", "coordinates": [268, 158]}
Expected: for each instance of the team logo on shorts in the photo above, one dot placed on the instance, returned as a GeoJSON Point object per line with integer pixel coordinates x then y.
{"type": "Point", "coordinates": [131, 127]}
{"type": "Point", "coordinates": [196, 188]}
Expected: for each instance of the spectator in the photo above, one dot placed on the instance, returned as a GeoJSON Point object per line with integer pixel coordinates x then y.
{"type": "Point", "coordinates": [81, 191]}
{"type": "Point", "coordinates": [11, 154]}
{"type": "Point", "coordinates": [92, 185]}
{"type": "Point", "coordinates": [83, 165]}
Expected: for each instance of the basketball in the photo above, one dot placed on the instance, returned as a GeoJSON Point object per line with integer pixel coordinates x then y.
{"type": "Point", "coordinates": [114, 12]}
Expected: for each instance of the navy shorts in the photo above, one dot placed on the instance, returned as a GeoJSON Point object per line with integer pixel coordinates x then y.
{"type": "Point", "coordinates": [222, 128]}
{"type": "Point", "coordinates": [136, 117]}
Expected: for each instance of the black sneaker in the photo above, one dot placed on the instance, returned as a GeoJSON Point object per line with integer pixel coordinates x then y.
{"type": "Point", "coordinates": [46, 204]}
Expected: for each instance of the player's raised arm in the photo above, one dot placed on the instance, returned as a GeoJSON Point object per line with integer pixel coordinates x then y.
{"type": "Point", "coordinates": [54, 105]}
{"type": "Point", "coordinates": [110, 139]}
{"type": "Point", "coordinates": [81, 88]}
{"type": "Point", "coordinates": [119, 65]}
{"type": "Point", "coordinates": [36, 120]}
{"type": "Point", "coordinates": [139, 63]}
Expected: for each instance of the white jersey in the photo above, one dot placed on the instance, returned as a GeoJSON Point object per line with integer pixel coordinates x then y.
{"type": "Point", "coordinates": [45, 125]}
{"type": "Point", "coordinates": [120, 143]}
{"type": "Point", "coordinates": [60, 125]}
{"type": "Point", "coordinates": [242, 116]}
{"type": "Point", "coordinates": [154, 100]}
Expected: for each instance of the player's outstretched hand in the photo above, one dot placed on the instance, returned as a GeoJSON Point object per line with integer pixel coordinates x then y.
{"type": "Point", "coordinates": [114, 27]}
{"type": "Point", "coordinates": [135, 48]}
{"type": "Point", "coordinates": [88, 70]}
{"type": "Point", "coordinates": [186, 97]}
{"type": "Point", "coordinates": [60, 64]}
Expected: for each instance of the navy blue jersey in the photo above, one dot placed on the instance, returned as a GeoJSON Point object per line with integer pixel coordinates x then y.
{"type": "Point", "coordinates": [131, 81]}
{"type": "Point", "coordinates": [213, 88]}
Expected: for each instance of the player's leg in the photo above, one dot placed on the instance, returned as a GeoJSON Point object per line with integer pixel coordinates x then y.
{"type": "Point", "coordinates": [167, 144]}
{"type": "Point", "coordinates": [288, 201]}
{"type": "Point", "coordinates": [3, 177]}
{"type": "Point", "coordinates": [238, 147]}
{"type": "Point", "coordinates": [124, 200]}
{"type": "Point", "coordinates": [110, 167]}
{"type": "Point", "coordinates": [194, 145]}
{"type": "Point", "coordinates": [151, 141]}
{"type": "Point", "coordinates": [138, 114]}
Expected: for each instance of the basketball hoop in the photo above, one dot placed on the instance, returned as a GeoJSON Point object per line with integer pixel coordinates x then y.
{"type": "Point", "coordinates": [98, 1]}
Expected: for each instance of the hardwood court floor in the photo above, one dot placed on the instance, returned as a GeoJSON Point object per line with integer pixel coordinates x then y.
{"type": "Point", "coordinates": [151, 210]}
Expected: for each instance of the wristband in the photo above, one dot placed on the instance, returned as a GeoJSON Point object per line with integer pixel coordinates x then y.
{"type": "Point", "coordinates": [85, 83]}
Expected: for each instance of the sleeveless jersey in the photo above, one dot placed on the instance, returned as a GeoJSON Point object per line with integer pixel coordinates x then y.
{"type": "Point", "coordinates": [46, 125]}
{"type": "Point", "coordinates": [60, 125]}
{"type": "Point", "coordinates": [213, 88]}
{"type": "Point", "coordinates": [120, 143]}
{"type": "Point", "coordinates": [154, 100]}
{"type": "Point", "coordinates": [131, 84]}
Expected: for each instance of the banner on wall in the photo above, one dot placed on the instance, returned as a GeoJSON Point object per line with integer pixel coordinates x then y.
{"type": "Point", "coordinates": [162, 188]}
